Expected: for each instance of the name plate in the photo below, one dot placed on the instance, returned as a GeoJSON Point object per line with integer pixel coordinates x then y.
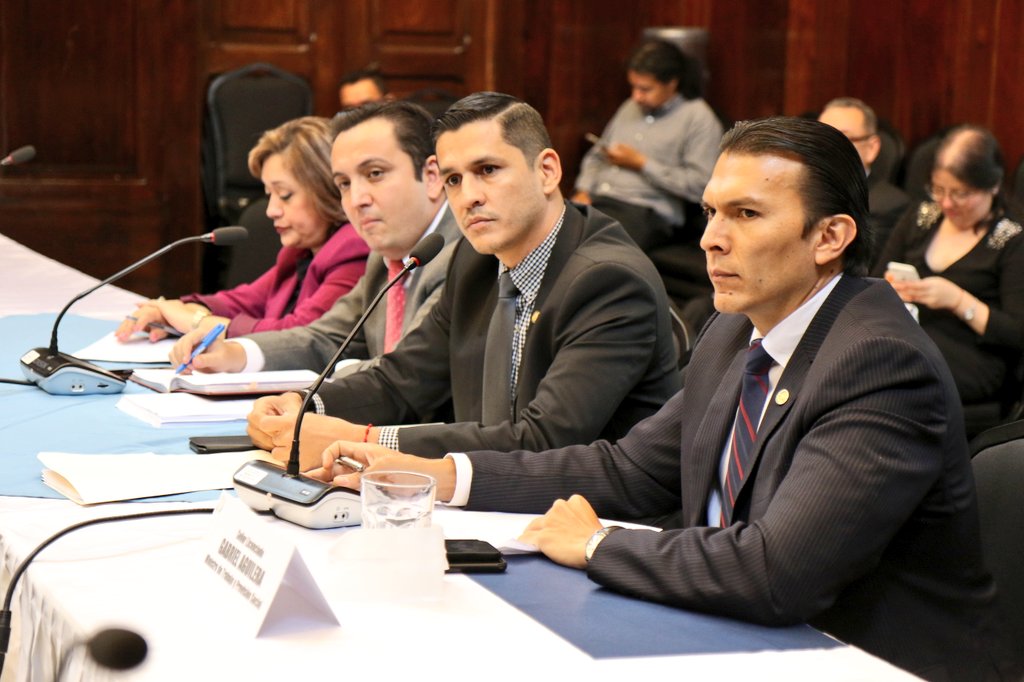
{"type": "Point", "coordinates": [258, 575]}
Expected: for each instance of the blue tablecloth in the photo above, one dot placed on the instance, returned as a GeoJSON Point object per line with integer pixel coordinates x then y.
{"type": "Point", "coordinates": [605, 624]}
{"type": "Point", "coordinates": [32, 421]}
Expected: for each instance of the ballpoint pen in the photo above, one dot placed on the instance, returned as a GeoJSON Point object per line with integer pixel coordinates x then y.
{"type": "Point", "coordinates": [353, 464]}
{"type": "Point", "coordinates": [203, 345]}
{"type": "Point", "coordinates": [169, 330]}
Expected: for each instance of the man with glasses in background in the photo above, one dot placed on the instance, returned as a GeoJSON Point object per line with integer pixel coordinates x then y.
{"type": "Point", "coordinates": [886, 201]}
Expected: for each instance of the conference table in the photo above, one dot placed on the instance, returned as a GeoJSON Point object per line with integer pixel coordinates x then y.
{"type": "Point", "coordinates": [537, 619]}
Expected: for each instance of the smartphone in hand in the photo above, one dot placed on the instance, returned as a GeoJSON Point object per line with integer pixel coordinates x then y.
{"type": "Point", "coordinates": [901, 272]}
{"type": "Point", "coordinates": [595, 140]}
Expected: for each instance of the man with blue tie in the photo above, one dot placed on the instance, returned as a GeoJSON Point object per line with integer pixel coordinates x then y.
{"type": "Point", "coordinates": [816, 456]}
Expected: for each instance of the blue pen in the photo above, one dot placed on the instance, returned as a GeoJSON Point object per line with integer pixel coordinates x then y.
{"type": "Point", "coordinates": [203, 345]}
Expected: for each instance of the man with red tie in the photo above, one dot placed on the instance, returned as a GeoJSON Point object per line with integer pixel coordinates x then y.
{"type": "Point", "coordinates": [400, 201]}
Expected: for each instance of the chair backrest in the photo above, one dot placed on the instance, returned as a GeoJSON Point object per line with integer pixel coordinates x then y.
{"type": "Point", "coordinates": [1017, 190]}
{"type": "Point", "coordinates": [240, 106]}
{"type": "Point", "coordinates": [890, 155]}
{"type": "Point", "coordinates": [918, 171]}
{"type": "Point", "coordinates": [682, 338]}
{"type": "Point", "coordinates": [434, 100]}
{"type": "Point", "coordinates": [248, 261]}
{"type": "Point", "coordinates": [998, 464]}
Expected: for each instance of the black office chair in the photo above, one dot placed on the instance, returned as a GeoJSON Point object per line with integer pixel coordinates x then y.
{"type": "Point", "coordinates": [890, 155]}
{"type": "Point", "coordinates": [1017, 191]}
{"type": "Point", "coordinates": [918, 171]}
{"type": "Point", "coordinates": [681, 337]}
{"type": "Point", "coordinates": [240, 106]}
{"type": "Point", "coordinates": [251, 259]}
{"type": "Point", "coordinates": [434, 100]}
{"type": "Point", "coordinates": [998, 463]}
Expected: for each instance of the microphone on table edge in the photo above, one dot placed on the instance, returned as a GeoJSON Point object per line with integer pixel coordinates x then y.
{"type": "Point", "coordinates": [59, 373]}
{"type": "Point", "coordinates": [288, 494]}
{"type": "Point", "coordinates": [19, 155]}
{"type": "Point", "coordinates": [112, 648]}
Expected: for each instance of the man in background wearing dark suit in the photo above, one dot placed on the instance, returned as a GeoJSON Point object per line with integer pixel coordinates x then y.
{"type": "Point", "coordinates": [886, 201]}
{"type": "Point", "coordinates": [552, 328]}
{"type": "Point", "coordinates": [834, 488]}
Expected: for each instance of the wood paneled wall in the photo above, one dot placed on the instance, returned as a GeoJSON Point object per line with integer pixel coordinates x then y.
{"type": "Point", "coordinates": [111, 92]}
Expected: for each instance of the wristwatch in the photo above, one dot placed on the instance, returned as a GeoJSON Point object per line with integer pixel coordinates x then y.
{"type": "Point", "coordinates": [596, 539]}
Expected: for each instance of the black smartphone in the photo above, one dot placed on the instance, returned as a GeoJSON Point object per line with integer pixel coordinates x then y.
{"type": "Point", "coordinates": [473, 556]}
{"type": "Point", "coordinates": [206, 445]}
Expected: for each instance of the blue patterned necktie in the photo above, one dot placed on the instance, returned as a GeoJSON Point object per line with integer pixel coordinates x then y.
{"type": "Point", "coordinates": [752, 397]}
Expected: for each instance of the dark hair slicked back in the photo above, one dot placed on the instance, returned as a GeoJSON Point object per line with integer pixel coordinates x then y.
{"type": "Point", "coordinates": [833, 179]}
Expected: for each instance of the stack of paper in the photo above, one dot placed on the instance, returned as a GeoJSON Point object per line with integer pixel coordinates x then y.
{"type": "Point", "coordinates": [91, 479]}
{"type": "Point", "coordinates": [161, 409]}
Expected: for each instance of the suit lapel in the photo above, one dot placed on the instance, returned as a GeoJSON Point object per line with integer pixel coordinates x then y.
{"type": "Point", "coordinates": [425, 280]}
{"type": "Point", "coordinates": [569, 237]}
{"type": "Point", "coordinates": [792, 380]}
{"type": "Point", "coordinates": [719, 413]}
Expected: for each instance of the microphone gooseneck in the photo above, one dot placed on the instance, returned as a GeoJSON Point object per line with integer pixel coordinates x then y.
{"type": "Point", "coordinates": [222, 236]}
{"type": "Point", "coordinates": [424, 252]}
{"type": "Point", "coordinates": [63, 374]}
{"type": "Point", "coordinates": [6, 615]}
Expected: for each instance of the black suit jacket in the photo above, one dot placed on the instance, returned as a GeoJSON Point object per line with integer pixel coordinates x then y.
{"type": "Point", "coordinates": [599, 354]}
{"type": "Point", "coordinates": [859, 514]}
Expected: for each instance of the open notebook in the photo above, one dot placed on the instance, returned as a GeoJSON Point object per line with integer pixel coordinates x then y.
{"type": "Point", "coordinates": [224, 383]}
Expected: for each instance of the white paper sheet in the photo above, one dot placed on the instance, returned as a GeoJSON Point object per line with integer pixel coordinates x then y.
{"type": "Point", "coordinates": [137, 350]}
{"type": "Point", "coordinates": [160, 409]}
{"type": "Point", "coordinates": [92, 479]}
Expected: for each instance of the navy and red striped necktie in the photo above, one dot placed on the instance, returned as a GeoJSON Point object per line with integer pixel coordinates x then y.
{"type": "Point", "coordinates": [752, 397]}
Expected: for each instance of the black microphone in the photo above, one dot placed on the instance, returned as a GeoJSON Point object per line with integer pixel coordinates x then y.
{"type": "Point", "coordinates": [117, 649]}
{"type": "Point", "coordinates": [19, 155]}
{"type": "Point", "coordinates": [62, 374]}
{"type": "Point", "coordinates": [113, 649]}
{"type": "Point", "coordinates": [300, 499]}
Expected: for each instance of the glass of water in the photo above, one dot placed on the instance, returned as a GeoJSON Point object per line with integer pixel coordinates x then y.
{"type": "Point", "coordinates": [397, 499]}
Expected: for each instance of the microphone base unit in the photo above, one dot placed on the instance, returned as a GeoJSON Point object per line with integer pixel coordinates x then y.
{"type": "Point", "coordinates": [58, 373]}
{"type": "Point", "coordinates": [301, 500]}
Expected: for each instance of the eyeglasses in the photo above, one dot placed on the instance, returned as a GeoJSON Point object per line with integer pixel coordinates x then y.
{"type": "Point", "coordinates": [957, 196]}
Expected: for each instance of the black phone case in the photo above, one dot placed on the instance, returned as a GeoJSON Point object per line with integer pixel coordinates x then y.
{"type": "Point", "coordinates": [473, 556]}
{"type": "Point", "coordinates": [206, 445]}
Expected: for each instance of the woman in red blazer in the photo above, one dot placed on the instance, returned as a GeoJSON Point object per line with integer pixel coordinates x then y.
{"type": "Point", "coordinates": [321, 255]}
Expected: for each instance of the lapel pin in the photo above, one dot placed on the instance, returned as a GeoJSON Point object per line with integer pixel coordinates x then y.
{"type": "Point", "coordinates": [533, 318]}
{"type": "Point", "coordinates": [782, 397]}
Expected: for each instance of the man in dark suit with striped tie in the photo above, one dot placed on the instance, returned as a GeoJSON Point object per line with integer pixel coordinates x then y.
{"type": "Point", "coordinates": [836, 491]}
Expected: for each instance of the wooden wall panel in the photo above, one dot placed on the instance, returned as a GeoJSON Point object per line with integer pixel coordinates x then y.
{"type": "Point", "coordinates": [240, 32]}
{"type": "Point", "coordinates": [442, 44]}
{"type": "Point", "coordinates": [111, 93]}
{"type": "Point", "coordinates": [107, 93]}
{"type": "Point", "coordinates": [1007, 92]}
{"type": "Point", "coordinates": [87, 54]}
